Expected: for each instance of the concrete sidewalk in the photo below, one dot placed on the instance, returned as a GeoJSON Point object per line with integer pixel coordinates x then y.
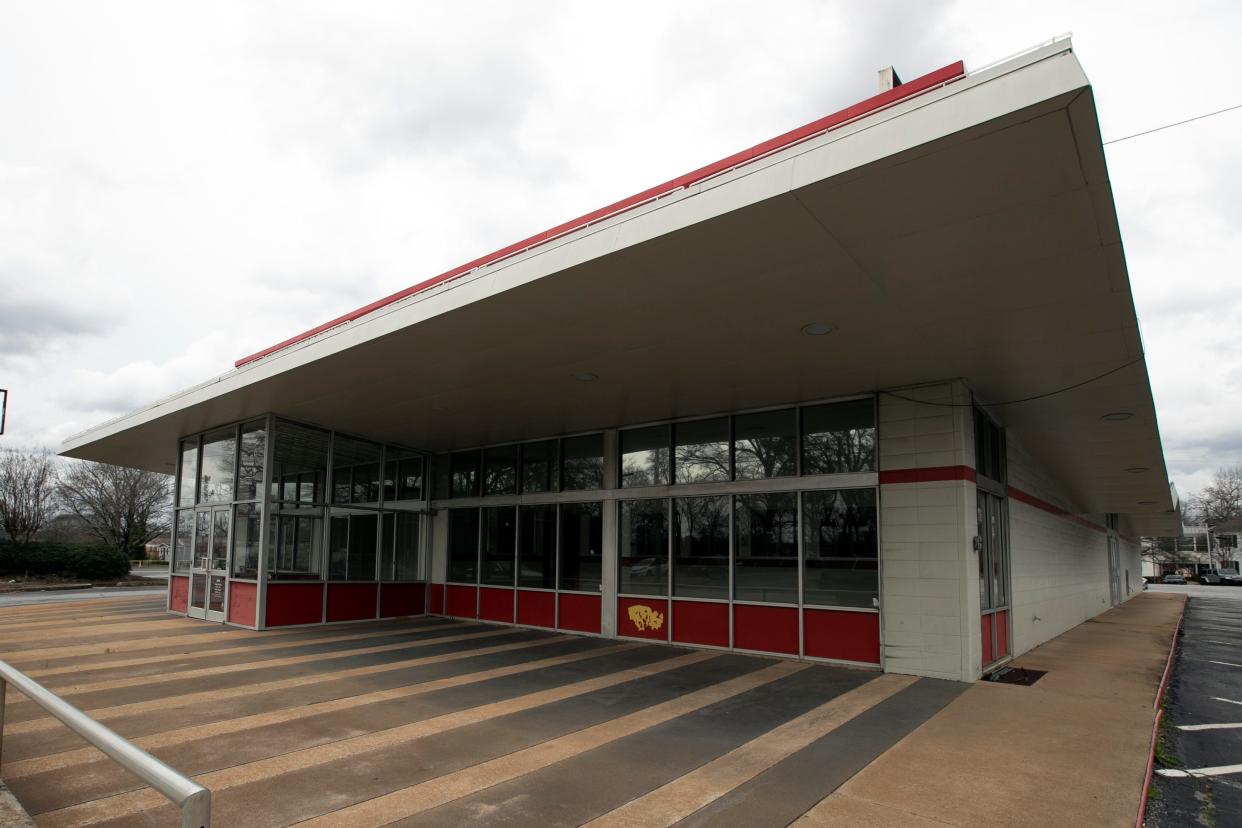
{"type": "Point", "coordinates": [1069, 750]}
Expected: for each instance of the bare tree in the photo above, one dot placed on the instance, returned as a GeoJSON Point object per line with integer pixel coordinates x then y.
{"type": "Point", "coordinates": [123, 507]}
{"type": "Point", "coordinates": [1222, 499]}
{"type": "Point", "coordinates": [27, 493]}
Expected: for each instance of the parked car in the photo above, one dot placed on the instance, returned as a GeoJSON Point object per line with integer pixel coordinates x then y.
{"type": "Point", "coordinates": [1217, 577]}
{"type": "Point", "coordinates": [1173, 578]}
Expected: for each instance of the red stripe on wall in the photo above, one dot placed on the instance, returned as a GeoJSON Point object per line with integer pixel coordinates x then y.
{"type": "Point", "coordinates": [934, 474]}
{"type": "Point", "coordinates": [938, 474]}
{"type": "Point", "coordinates": [906, 90]}
{"type": "Point", "coordinates": [768, 629]}
{"type": "Point", "coordinates": [1032, 500]}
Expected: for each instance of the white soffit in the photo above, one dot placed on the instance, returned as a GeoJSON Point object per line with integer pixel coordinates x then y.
{"type": "Point", "coordinates": [966, 232]}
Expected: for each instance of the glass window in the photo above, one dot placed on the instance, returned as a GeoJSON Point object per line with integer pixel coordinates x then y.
{"type": "Point", "coordinates": [246, 539]}
{"type": "Point", "coordinates": [499, 545]}
{"type": "Point", "coordinates": [464, 474]}
{"type": "Point", "coordinates": [582, 543]}
{"type": "Point", "coordinates": [441, 476]}
{"type": "Point", "coordinates": [188, 478]}
{"type": "Point", "coordinates": [645, 457]}
{"type": "Point", "coordinates": [989, 447]}
{"type": "Point", "coordinates": [300, 464]}
{"type": "Point", "coordinates": [295, 541]}
{"type": "Point", "coordinates": [408, 566]}
{"type": "Point", "coordinates": [218, 466]}
{"type": "Point", "coordinates": [182, 540]}
{"type": "Point", "coordinates": [701, 547]}
{"type": "Point", "coordinates": [701, 451]}
{"type": "Point", "coordinates": [765, 444]}
{"type": "Point", "coordinates": [500, 470]}
{"type": "Point", "coordinates": [463, 546]}
{"type": "Point", "coordinates": [403, 474]}
{"type": "Point", "coordinates": [399, 544]}
{"type": "Point", "coordinates": [539, 467]}
{"type": "Point", "coordinates": [766, 567]}
{"type": "Point", "coordinates": [582, 462]}
{"type": "Point", "coordinates": [643, 551]}
{"type": "Point", "coordinates": [355, 471]}
{"type": "Point", "coordinates": [537, 547]}
{"type": "Point", "coordinates": [838, 437]}
{"type": "Point", "coordinates": [252, 457]}
{"type": "Point", "coordinates": [352, 546]}
{"type": "Point", "coordinates": [981, 532]}
{"type": "Point", "coordinates": [840, 548]}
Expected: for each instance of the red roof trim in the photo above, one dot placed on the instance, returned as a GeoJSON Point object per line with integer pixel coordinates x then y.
{"type": "Point", "coordinates": [897, 93]}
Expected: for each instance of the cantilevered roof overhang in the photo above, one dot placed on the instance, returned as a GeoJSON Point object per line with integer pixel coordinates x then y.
{"type": "Point", "coordinates": [965, 230]}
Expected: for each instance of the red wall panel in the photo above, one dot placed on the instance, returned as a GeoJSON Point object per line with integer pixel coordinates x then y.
{"type": "Point", "coordinates": [696, 622]}
{"type": "Point", "coordinates": [643, 618]}
{"type": "Point", "coordinates": [435, 600]}
{"type": "Point", "coordinates": [461, 601]}
{"type": "Point", "coordinates": [538, 609]}
{"type": "Point", "coordinates": [985, 624]}
{"type": "Point", "coordinates": [1000, 646]}
{"type": "Point", "coordinates": [767, 629]}
{"type": "Point", "coordinates": [401, 599]}
{"type": "Point", "coordinates": [294, 604]}
{"type": "Point", "coordinates": [496, 604]}
{"type": "Point", "coordinates": [243, 603]}
{"type": "Point", "coordinates": [580, 612]}
{"type": "Point", "coordinates": [849, 636]}
{"type": "Point", "coordinates": [351, 602]}
{"type": "Point", "coordinates": [179, 588]}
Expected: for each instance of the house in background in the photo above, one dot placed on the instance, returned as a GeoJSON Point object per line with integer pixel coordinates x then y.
{"type": "Point", "coordinates": [871, 392]}
{"type": "Point", "coordinates": [1198, 549]}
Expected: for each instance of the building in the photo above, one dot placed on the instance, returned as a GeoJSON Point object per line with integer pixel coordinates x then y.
{"type": "Point", "coordinates": [1196, 550]}
{"type": "Point", "coordinates": [872, 391]}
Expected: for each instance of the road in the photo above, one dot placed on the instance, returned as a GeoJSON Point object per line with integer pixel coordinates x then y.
{"type": "Point", "coordinates": [1199, 780]}
{"type": "Point", "coordinates": [18, 599]}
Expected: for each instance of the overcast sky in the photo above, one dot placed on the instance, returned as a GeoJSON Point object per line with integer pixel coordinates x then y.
{"type": "Point", "coordinates": [183, 184]}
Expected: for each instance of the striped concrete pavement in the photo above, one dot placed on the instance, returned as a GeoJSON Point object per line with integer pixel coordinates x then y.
{"type": "Point", "coordinates": [430, 721]}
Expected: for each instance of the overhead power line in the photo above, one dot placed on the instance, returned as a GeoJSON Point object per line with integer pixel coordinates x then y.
{"type": "Point", "coordinates": [1031, 398]}
{"type": "Point", "coordinates": [1176, 123]}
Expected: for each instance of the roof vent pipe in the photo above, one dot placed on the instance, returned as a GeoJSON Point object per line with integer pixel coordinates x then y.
{"type": "Point", "coordinates": [888, 79]}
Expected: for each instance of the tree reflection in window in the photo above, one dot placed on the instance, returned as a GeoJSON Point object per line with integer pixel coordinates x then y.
{"type": "Point", "coordinates": [765, 444]}
{"type": "Point", "coordinates": [701, 451]}
{"type": "Point", "coordinates": [838, 437]}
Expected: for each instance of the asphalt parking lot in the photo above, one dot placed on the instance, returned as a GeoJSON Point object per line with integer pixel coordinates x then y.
{"type": "Point", "coordinates": [1199, 777]}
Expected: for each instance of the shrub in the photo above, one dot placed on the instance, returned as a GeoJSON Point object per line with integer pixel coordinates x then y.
{"type": "Point", "coordinates": [90, 562]}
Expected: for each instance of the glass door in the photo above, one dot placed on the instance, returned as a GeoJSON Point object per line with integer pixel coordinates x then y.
{"type": "Point", "coordinates": [209, 566]}
{"type": "Point", "coordinates": [993, 550]}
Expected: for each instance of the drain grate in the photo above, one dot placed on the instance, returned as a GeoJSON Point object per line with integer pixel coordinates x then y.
{"type": "Point", "coordinates": [1016, 675]}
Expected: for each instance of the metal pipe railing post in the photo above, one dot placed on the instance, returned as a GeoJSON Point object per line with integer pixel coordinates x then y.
{"type": "Point", "coordinates": [4, 690]}
{"type": "Point", "coordinates": [191, 798]}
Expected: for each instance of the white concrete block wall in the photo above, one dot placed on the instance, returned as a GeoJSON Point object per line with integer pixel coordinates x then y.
{"type": "Point", "coordinates": [1058, 567]}
{"type": "Point", "coordinates": [928, 597]}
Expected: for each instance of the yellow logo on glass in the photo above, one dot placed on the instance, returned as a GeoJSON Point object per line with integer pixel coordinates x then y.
{"type": "Point", "coordinates": [645, 618]}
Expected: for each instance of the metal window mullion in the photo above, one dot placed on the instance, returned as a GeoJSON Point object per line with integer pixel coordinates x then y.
{"type": "Point", "coordinates": [798, 517]}
{"type": "Point", "coordinates": [732, 556]}
{"type": "Point", "coordinates": [670, 522]}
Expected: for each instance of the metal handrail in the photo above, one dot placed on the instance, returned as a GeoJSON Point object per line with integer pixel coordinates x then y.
{"type": "Point", "coordinates": [191, 798]}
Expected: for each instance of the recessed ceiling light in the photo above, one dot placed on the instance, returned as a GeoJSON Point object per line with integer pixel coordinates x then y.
{"type": "Point", "coordinates": [1117, 416]}
{"type": "Point", "coordinates": [817, 329]}
{"type": "Point", "coordinates": [1147, 503]}
{"type": "Point", "coordinates": [1137, 469]}
{"type": "Point", "coordinates": [586, 376]}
